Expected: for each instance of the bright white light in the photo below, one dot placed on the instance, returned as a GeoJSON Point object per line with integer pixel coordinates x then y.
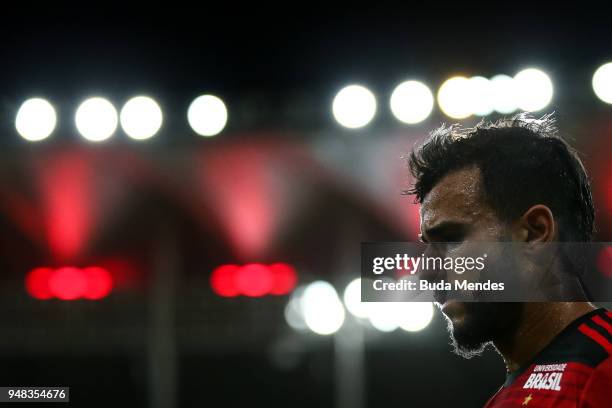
{"type": "Point", "coordinates": [454, 98]}
{"type": "Point", "coordinates": [602, 82]}
{"type": "Point", "coordinates": [35, 120]}
{"type": "Point", "coordinates": [415, 316]}
{"type": "Point", "coordinates": [503, 94]}
{"type": "Point", "coordinates": [96, 119]}
{"type": "Point", "coordinates": [207, 115]}
{"type": "Point", "coordinates": [384, 316]}
{"type": "Point", "coordinates": [141, 118]}
{"type": "Point", "coordinates": [294, 314]}
{"type": "Point", "coordinates": [354, 106]}
{"type": "Point", "coordinates": [323, 311]}
{"type": "Point", "coordinates": [410, 316]}
{"type": "Point", "coordinates": [352, 299]}
{"type": "Point", "coordinates": [534, 89]}
{"type": "Point", "coordinates": [481, 98]}
{"type": "Point", "coordinates": [412, 102]}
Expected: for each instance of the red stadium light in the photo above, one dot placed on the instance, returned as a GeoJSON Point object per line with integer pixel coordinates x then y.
{"type": "Point", "coordinates": [253, 280]}
{"type": "Point", "coordinates": [285, 278]}
{"type": "Point", "coordinates": [222, 281]}
{"type": "Point", "coordinates": [69, 283]}
{"type": "Point", "coordinates": [37, 283]}
{"type": "Point", "coordinates": [99, 283]}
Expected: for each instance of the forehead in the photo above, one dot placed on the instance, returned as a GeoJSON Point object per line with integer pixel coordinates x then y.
{"type": "Point", "coordinates": [457, 197]}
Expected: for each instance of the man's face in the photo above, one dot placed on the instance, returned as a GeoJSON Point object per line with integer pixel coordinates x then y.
{"type": "Point", "coordinates": [455, 211]}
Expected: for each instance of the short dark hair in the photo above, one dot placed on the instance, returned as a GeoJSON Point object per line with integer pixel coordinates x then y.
{"type": "Point", "coordinates": [523, 162]}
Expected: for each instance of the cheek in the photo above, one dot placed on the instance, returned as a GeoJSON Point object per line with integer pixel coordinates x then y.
{"type": "Point", "coordinates": [455, 311]}
{"type": "Point", "coordinates": [490, 230]}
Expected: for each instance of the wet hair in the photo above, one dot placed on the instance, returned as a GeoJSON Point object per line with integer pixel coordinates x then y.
{"type": "Point", "coordinates": [523, 162]}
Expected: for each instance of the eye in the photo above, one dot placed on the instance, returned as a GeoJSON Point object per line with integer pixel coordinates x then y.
{"type": "Point", "coordinates": [453, 236]}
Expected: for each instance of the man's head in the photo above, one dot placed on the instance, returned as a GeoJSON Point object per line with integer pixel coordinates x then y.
{"type": "Point", "coordinates": [511, 180]}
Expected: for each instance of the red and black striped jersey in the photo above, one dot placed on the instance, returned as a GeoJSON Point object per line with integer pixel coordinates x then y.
{"type": "Point", "coordinates": [573, 371]}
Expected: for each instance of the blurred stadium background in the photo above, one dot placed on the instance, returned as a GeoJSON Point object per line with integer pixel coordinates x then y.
{"type": "Point", "coordinates": [182, 202]}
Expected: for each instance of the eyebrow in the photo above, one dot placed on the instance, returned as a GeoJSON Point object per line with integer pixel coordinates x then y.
{"type": "Point", "coordinates": [440, 229]}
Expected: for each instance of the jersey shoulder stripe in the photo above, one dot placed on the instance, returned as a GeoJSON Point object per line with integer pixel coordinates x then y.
{"type": "Point", "coordinates": [602, 323]}
{"type": "Point", "coordinates": [596, 337]}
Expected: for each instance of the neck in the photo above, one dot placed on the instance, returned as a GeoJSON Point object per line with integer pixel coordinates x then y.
{"type": "Point", "coordinates": [538, 326]}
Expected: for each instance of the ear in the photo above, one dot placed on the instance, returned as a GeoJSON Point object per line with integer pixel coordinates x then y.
{"type": "Point", "coordinates": [537, 224]}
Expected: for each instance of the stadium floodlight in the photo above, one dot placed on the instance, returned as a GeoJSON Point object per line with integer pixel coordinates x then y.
{"type": "Point", "coordinates": [415, 316]}
{"type": "Point", "coordinates": [481, 98]}
{"type": "Point", "coordinates": [409, 316]}
{"type": "Point", "coordinates": [96, 119]}
{"type": "Point", "coordinates": [35, 120]}
{"type": "Point", "coordinates": [503, 94]}
{"type": "Point", "coordinates": [323, 311]}
{"type": "Point", "coordinates": [384, 316]}
{"type": "Point", "coordinates": [294, 313]}
{"type": "Point", "coordinates": [352, 299]}
{"type": "Point", "coordinates": [454, 98]}
{"type": "Point", "coordinates": [207, 115]}
{"type": "Point", "coordinates": [354, 106]}
{"type": "Point", "coordinates": [141, 118]}
{"type": "Point", "coordinates": [602, 82]}
{"type": "Point", "coordinates": [411, 102]}
{"type": "Point", "coordinates": [534, 89]}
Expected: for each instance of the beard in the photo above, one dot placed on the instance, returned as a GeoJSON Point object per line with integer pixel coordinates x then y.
{"type": "Point", "coordinates": [483, 323]}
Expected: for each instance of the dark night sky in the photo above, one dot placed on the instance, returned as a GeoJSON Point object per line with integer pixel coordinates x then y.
{"type": "Point", "coordinates": [179, 53]}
